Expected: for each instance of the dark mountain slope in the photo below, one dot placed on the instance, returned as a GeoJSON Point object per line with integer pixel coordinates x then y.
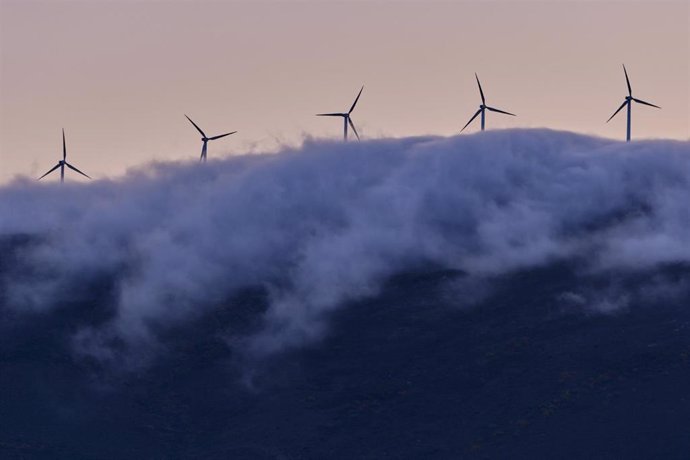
{"type": "Point", "coordinates": [409, 373]}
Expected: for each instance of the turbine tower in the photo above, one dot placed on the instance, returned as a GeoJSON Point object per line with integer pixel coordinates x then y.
{"type": "Point", "coordinates": [205, 139]}
{"type": "Point", "coordinates": [347, 120]}
{"type": "Point", "coordinates": [628, 101]}
{"type": "Point", "coordinates": [62, 163]}
{"type": "Point", "coordinates": [483, 108]}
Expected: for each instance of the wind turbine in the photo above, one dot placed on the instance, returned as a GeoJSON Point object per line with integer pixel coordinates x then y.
{"type": "Point", "coordinates": [483, 107]}
{"type": "Point", "coordinates": [628, 101]}
{"type": "Point", "coordinates": [205, 139]}
{"type": "Point", "coordinates": [347, 120]}
{"type": "Point", "coordinates": [62, 163]}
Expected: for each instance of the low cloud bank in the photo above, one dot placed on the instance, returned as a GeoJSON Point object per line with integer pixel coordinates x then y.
{"type": "Point", "coordinates": [329, 222]}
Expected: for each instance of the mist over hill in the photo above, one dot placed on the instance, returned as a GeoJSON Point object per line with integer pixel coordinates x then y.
{"type": "Point", "coordinates": [509, 293]}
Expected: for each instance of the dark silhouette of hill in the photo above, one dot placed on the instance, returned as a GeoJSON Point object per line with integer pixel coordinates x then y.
{"type": "Point", "coordinates": [412, 372]}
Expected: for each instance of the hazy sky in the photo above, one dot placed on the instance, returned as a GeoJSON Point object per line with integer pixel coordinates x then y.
{"type": "Point", "coordinates": [119, 75]}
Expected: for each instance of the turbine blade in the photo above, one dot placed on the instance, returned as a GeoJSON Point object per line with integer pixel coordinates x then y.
{"type": "Point", "coordinates": [619, 109]}
{"type": "Point", "coordinates": [471, 119]}
{"type": "Point", "coordinates": [501, 111]}
{"type": "Point", "coordinates": [197, 128]}
{"type": "Point", "coordinates": [54, 168]}
{"type": "Point", "coordinates": [352, 125]}
{"type": "Point", "coordinates": [356, 99]}
{"type": "Point", "coordinates": [203, 151]}
{"type": "Point", "coordinates": [331, 114]}
{"type": "Point", "coordinates": [480, 89]}
{"type": "Point", "coordinates": [222, 135]}
{"type": "Point", "coordinates": [627, 80]}
{"type": "Point", "coordinates": [646, 103]}
{"type": "Point", "coordinates": [75, 169]}
{"type": "Point", "coordinates": [64, 145]}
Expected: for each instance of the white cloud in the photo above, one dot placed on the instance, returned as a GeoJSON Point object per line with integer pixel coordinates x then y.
{"type": "Point", "coordinates": [328, 222]}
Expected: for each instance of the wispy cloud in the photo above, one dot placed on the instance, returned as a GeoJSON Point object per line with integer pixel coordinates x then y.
{"type": "Point", "coordinates": [328, 222]}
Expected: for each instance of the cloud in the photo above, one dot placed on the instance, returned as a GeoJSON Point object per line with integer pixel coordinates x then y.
{"type": "Point", "coordinates": [328, 222]}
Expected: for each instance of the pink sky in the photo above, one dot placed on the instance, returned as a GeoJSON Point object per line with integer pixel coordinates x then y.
{"type": "Point", "coordinates": [118, 76]}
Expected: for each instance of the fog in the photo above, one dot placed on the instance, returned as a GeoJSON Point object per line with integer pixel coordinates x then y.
{"type": "Point", "coordinates": [327, 223]}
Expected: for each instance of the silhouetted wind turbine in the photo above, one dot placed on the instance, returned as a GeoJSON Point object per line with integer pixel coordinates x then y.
{"type": "Point", "coordinates": [62, 163]}
{"type": "Point", "coordinates": [347, 120]}
{"type": "Point", "coordinates": [628, 101]}
{"type": "Point", "coordinates": [205, 139]}
{"type": "Point", "coordinates": [483, 107]}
